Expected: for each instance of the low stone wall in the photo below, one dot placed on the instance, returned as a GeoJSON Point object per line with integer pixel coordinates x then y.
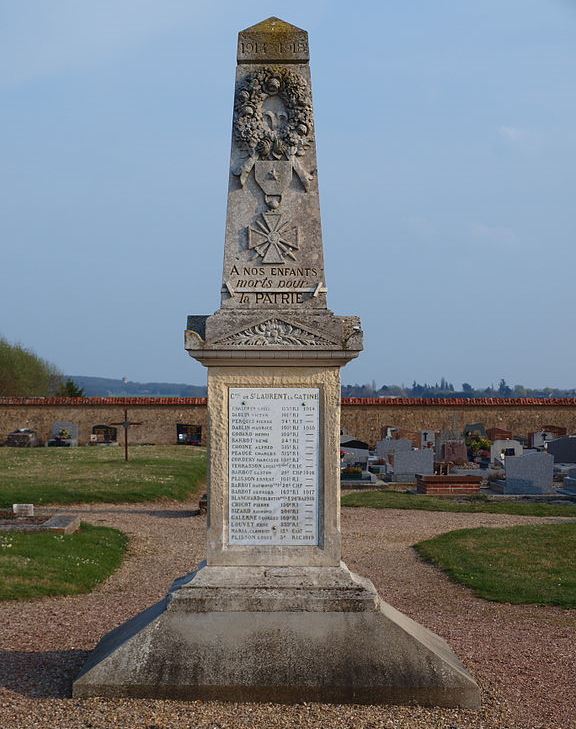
{"type": "Point", "coordinates": [364, 418]}
{"type": "Point", "coordinates": [159, 416]}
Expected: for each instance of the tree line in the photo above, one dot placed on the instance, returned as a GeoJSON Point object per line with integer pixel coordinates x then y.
{"type": "Point", "coordinates": [24, 374]}
{"type": "Point", "coordinates": [446, 389]}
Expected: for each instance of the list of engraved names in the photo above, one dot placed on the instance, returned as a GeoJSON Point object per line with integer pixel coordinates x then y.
{"type": "Point", "coordinates": [274, 465]}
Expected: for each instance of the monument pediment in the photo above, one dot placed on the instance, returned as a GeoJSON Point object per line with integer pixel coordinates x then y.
{"type": "Point", "coordinates": [275, 332]}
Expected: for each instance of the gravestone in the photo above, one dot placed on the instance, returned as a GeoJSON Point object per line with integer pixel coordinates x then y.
{"type": "Point", "coordinates": [455, 451]}
{"type": "Point", "coordinates": [530, 473]}
{"type": "Point", "coordinates": [495, 434]}
{"type": "Point", "coordinates": [570, 481]}
{"type": "Point", "coordinates": [408, 463]}
{"type": "Point", "coordinates": [354, 454]}
{"type": "Point", "coordinates": [501, 449]}
{"type": "Point", "coordinates": [540, 438]}
{"type": "Point", "coordinates": [563, 449]}
{"type": "Point", "coordinates": [64, 434]}
{"type": "Point", "coordinates": [23, 510]}
{"type": "Point", "coordinates": [427, 438]}
{"type": "Point", "coordinates": [391, 445]}
{"type": "Point", "coordinates": [450, 435]}
{"type": "Point", "coordinates": [274, 614]}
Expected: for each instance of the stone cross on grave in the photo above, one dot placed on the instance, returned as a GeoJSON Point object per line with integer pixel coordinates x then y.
{"type": "Point", "coordinates": [274, 614]}
{"type": "Point", "coordinates": [126, 424]}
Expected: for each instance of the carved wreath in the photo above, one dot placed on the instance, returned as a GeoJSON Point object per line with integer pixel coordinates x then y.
{"type": "Point", "coordinates": [283, 141]}
{"type": "Point", "coordinates": [273, 332]}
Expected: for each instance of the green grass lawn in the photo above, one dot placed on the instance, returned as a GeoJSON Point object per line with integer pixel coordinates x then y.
{"type": "Point", "coordinates": [99, 474]}
{"type": "Point", "coordinates": [521, 564]}
{"type": "Point", "coordinates": [42, 564]}
{"type": "Point", "coordinates": [394, 500]}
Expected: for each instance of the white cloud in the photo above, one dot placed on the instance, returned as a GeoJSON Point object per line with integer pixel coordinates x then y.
{"type": "Point", "coordinates": [521, 138]}
{"type": "Point", "coordinates": [497, 234]}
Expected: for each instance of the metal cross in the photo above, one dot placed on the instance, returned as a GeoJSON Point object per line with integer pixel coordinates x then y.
{"type": "Point", "coordinates": [126, 424]}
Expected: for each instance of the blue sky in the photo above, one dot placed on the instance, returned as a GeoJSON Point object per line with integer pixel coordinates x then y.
{"type": "Point", "coordinates": [447, 151]}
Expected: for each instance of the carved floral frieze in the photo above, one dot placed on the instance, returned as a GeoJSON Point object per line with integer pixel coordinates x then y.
{"type": "Point", "coordinates": [274, 332]}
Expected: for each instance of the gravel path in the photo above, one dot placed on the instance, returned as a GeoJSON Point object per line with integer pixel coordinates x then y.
{"type": "Point", "coordinates": [522, 656]}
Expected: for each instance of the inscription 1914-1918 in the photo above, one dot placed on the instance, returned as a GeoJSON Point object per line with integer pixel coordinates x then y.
{"type": "Point", "coordinates": [247, 49]}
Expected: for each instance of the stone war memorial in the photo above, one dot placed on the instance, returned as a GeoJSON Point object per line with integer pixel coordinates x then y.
{"type": "Point", "coordinates": [274, 614]}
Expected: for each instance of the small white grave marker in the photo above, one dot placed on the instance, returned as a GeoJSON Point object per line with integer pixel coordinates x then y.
{"type": "Point", "coordinates": [23, 509]}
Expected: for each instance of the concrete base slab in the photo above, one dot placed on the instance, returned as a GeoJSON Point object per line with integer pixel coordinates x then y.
{"type": "Point", "coordinates": [282, 634]}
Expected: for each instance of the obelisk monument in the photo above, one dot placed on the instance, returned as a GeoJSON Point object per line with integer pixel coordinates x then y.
{"type": "Point", "coordinates": [274, 614]}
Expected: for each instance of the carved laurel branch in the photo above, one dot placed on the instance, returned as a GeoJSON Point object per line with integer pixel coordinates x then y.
{"type": "Point", "coordinates": [274, 332]}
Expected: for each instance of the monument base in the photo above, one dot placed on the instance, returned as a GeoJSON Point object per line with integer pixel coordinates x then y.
{"type": "Point", "coordinates": [280, 634]}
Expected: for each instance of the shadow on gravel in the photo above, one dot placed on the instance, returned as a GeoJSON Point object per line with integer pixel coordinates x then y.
{"type": "Point", "coordinates": [174, 514]}
{"type": "Point", "coordinates": [158, 513]}
{"type": "Point", "coordinates": [47, 675]}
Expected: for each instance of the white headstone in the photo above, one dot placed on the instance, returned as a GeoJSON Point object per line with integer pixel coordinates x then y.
{"type": "Point", "coordinates": [23, 509]}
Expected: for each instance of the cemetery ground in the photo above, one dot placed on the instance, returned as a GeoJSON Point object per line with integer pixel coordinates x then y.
{"type": "Point", "coordinates": [43, 564]}
{"type": "Point", "coordinates": [522, 564]}
{"type": "Point", "coordinates": [99, 474]}
{"type": "Point", "coordinates": [521, 654]}
{"type": "Point", "coordinates": [466, 504]}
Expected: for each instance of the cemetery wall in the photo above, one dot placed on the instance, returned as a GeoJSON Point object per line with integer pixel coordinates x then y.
{"type": "Point", "coordinates": [159, 416]}
{"type": "Point", "coordinates": [364, 418]}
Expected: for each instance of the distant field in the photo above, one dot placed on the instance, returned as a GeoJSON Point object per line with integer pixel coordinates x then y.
{"type": "Point", "coordinates": [99, 474]}
{"type": "Point", "coordinates": [394, 500]}
{"type": "Point", "coordinates": [521, 564]}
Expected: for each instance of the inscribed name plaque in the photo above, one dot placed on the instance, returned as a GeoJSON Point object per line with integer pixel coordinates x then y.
{"type": "Point", "coordinates": [274, 466]}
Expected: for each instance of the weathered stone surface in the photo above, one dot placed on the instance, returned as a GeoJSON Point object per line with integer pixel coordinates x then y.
{"type": "Point", "coordinates": [273, 282]}
{"type": "Point", "coordinates": [273, 41]}
{"type": "Point", "coordinates": [219, 381]}
{"type": "Point", "coordinates": [275, 621]}
{"type": "Point", "coordinates": [246, 635]}
{"type": "Point", "coordinates": [57, 524]}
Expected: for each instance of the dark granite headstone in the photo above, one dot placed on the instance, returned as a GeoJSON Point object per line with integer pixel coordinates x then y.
{"type": "Point", "coordinates": [563, 449]}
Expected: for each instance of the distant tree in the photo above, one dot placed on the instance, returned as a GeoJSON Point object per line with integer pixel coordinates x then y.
{"type": "Point", "coordinates": [503, 389]}
{"type": "Point", "coordinates": [24, 374]}
{"type": "Point", "coordinates": [70, 389]}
